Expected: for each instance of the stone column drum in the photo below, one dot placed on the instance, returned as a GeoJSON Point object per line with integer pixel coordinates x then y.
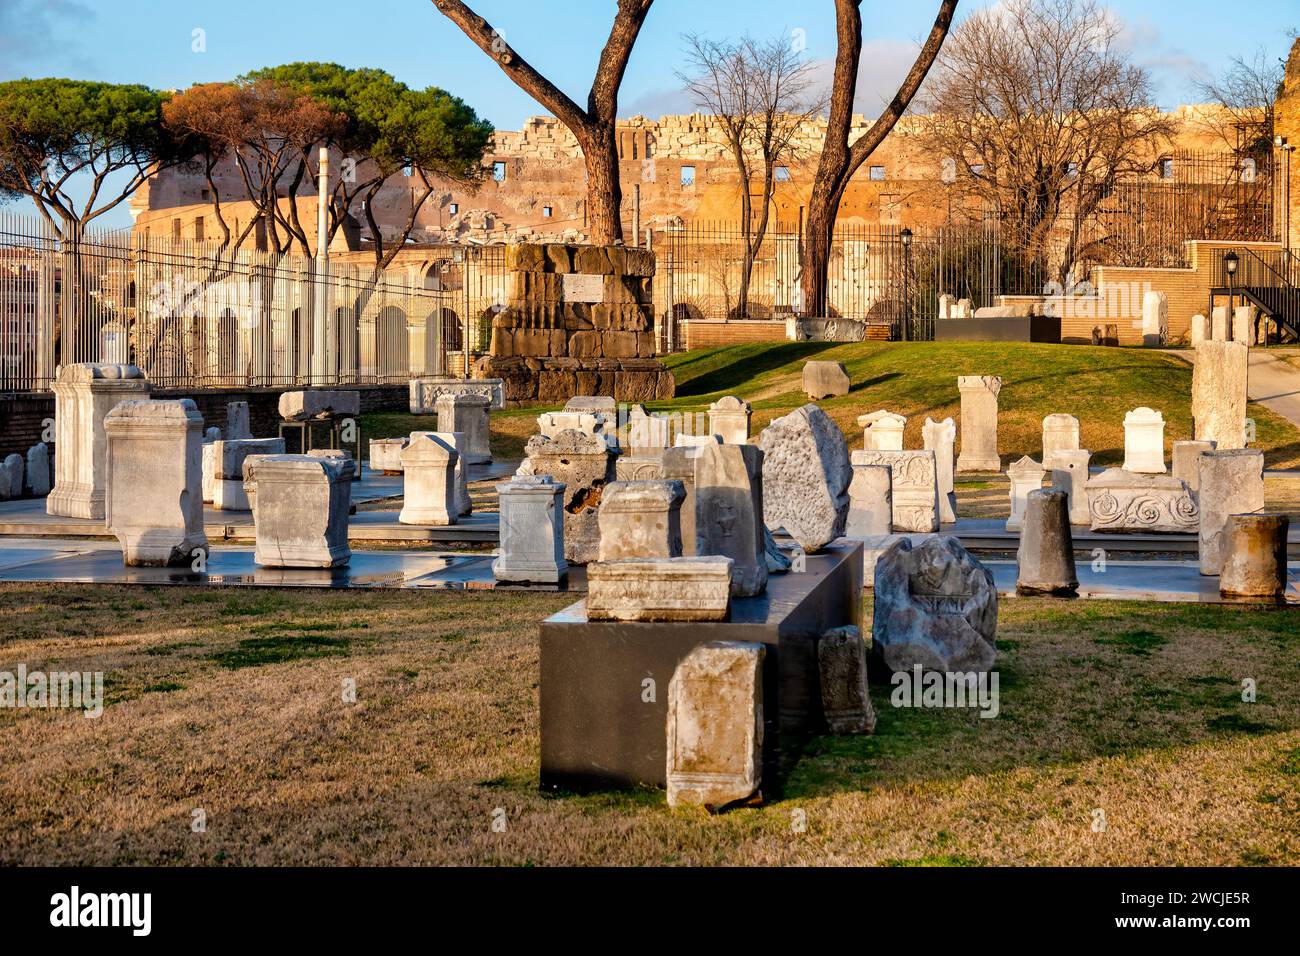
{"type": "Point", "coordinates": [1045, 559]}
{"type": "Point", "coordinates": [1231, 482]}
{"type": "Point", "coordinates": [300, 510]}
{"type": "Point", "coordinates": [979, 423]}
{"type": "Point", "coordinates": [1254, 556]}
{"type": "Point", "coordinates": [153, 489]}
{"type": "Point", "coordinates": [83, 395]}
{"type": "Point", "coordinates": [468, 415]}
{"type": "Point", "coordinates": [532, 531]}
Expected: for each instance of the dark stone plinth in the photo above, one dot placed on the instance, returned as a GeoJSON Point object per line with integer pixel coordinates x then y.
{"type": "Point", "coordinates": [1030, 328]}
{"type": "Point", "coordinates": [599, 733]}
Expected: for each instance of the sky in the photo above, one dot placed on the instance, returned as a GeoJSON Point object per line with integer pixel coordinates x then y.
{"type": "Point", "coordinates": [171, 44]}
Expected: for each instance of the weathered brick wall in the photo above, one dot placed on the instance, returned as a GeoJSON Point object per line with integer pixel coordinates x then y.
{"type": "Point", "coordinates": [1287, 122]}
{"type": "Point", "coordinates": [703, 334]}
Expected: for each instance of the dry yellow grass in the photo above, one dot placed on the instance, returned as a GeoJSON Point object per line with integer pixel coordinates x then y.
{"type": "Point", "coordinates": [229, 701]}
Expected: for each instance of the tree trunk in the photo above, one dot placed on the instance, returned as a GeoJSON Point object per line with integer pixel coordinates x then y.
{"type": "Point", "coordinates": [604, 194]}
{"type": "Point", "coordinates": [817, 249]}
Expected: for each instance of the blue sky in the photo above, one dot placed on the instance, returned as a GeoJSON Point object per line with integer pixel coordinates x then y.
{"type": "Point", "coordinates": [150, 41]}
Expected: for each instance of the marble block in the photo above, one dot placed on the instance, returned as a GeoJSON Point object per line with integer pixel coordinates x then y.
{"type": "Point", "coordinates": [1219, 394]}
{"type": "Point", "coordinates": [914, 487]}
{"type": "Point", "coordinates": [940, 438]}
{"type": "Point", "coordinates": [842, 667]}
{"type": "Point", "coordinates": [806, 476]}
{"type": "Point", "coordinates": [1026, 475]}
{"type": "Point", "coordinates": [582, 462]}
{"type": "Point", "coordinates": [1120, 501]}
{"type": "Point", "coordinates": [228, 458]}
{"type": "Point", "coordinates": [882, 430]}
{"type": "Point", "coordinates": [640, 519]}
{"type": "Point", "coordinates": [1070, 474]}
{"type": "Point", "coordinates": [1060, 433]}
{"type": "Point", "coordinates": [729, 513]}
{"type": "Point", "coordinates": [314, 403]}
{"type": "Point", "coordinates": [871, 501]}
{"type": "Point", "coordinates": [1187, 462]}
{"type": "Point", "coordinates": [153, 498]}
{"type": "Point", "coordinates": [825, 380]}
{"type": "Point", "coordinates": [1144, 442]}
{"type": "Point", "coordinates": [300, 509]}
{"type": "Point", "coordinates": [467, 415]}
{"type": "Point", "coordinates": [1231, 482]}
{"type": "Point", "coordinates": [979, 423]}
{"type": "Point", "coordinates": [729, 418]}
{"type": "Point", "coordinates": [695, 588]}
{"type": "Point", "coordinates": [386, 454]}
{"type": "Point", "coordinates": [429, 482]}
{"type": "Point", "coordinates": [532, 531]}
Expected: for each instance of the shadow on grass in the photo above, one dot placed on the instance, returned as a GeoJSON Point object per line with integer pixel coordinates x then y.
{"type": "Point", "coordinates": [743, 370]}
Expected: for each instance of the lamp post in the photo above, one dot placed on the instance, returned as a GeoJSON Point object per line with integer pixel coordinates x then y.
{"type": "Point", "coordinates": [1230, 266]}
{"type": "Point", "coordinates": [1286, 149]}
{"type": "Point", "coordinates": [906, 238]}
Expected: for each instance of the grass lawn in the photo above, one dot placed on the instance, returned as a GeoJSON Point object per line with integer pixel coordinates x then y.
{"type": "Point", "coordinates": [229, 701]}
{"type": "Point", "coordinates": [1095, 384]}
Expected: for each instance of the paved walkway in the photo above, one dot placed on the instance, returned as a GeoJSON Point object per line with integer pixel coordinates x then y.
{"type": "Point", "coordinates": [1275, 384]}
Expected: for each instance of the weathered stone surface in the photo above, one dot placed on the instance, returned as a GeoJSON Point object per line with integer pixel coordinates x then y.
{"type": "Point", "coordinates": [940, 438]}
{"type": "Point", "coordinates": [777, 560]}
{"type": "Point", "coordinates": [1200, 330]}
{"type": "Point", "coordinates": [692, 588]}
{"type": "Point", "coordinates": [682, 440]}
{"type": "Point", "coordinates": [36, 476]}
{"type": "Point", "coordinates": [1231, 483]}
{"type": "Point", "coordinates": [429, 482]}
{"type": "Point", "coordinates": [1120, 500]}
{"type": "Point", "coordinates": [641, 519]}
{"type": "Point", "coordinates": [871, 501]}
{"type": "Point", "coordinates": [11, 476]}
{"type": "Point", "coordinates": [1144, 441]}
{"type": "Point", "coordinates": [1026, 475]}
{"type": "Point", "coordinates": [228, 457]}
{"type": "Point", "coordinates": [1220, 320]}
{"type": "Point", "coordinates": [593, 405]}
{"type": "Point", "coordinates": [300, 509]}
{"type": "Point", "coordinates": [882, 430]}
{"type": "Point", "coordinates": [467, 415]}
{"type": "Point", "coordinates": [1243, 325]}
{"type": "Point", "coordinates": [678, 464]}
{"type": "Point", "coordinates": [237, 422]}
{"type": "Point", "coordinates": [532, 531]}
{"type": "Point", "coordinates": [979, 423]}
{"type": "Point", "coordinates": [1187, 462]}
{"type": "Point", "coordinates": [212, 434]}
{"type": "Point", "coordinates": [1060, 433]}
{"type": "Point", "coordinates": [1070, 474]}
{"type": "Point", "coordinates": [583, 464]}
{"type": "Point", "coordinates": [153, 498]}
{"type": "Point", "coordinates": [454, 440]}
{"type": "Point", "coordinates": [208, 467]}
{"type": "Point", "coordinates": [1254, 556]}
{"type": "Point", "coordinates": [825, 380]}
{"type": "Point", "coordinates": [842, 663]}
{"type": "Point", "coordinates": [83, 395]}
{"type": "Point", "coordinates": [729, 512]}
{"type": "Point", "coordinates": [550, 424]}
{"type": "Point", "coordinates": [936, 606]}
{"type": "Point", "coordinates": [312, 403]}
{"type": "Point", "coordinates": [914, 487]}
{"type": "Point", "coordinates": [386, 454]}
{"type": "Point", "coordinates": [729, 419]}
{"type": "Point", "coordinates": [806, 476]}
{"type": "Point", "coordinates": [1045, 558]}
{"type": "Point", "coordinates": [425, 392]}
{"type": "Point", "coordinates": [1219, 394]}
{"type": "Point", "coordinates": [715, 725]}
{"type": "Point", "coordinates": [1155, 319]}
{"type": "Point", "coordinates": [645, 431]}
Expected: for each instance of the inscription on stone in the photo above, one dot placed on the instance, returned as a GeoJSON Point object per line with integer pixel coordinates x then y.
{"type": "Point", "coordinates": [583, 287]}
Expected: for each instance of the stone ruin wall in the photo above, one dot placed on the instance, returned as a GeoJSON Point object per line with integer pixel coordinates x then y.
{"type": "Point", "coordinates": [578, 320]}
{"type": "Point", "coordinates": [1287, 122]}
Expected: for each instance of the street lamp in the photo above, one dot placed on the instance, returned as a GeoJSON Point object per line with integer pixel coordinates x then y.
{"type": "Point", "coordinates": [1230, 266]}
{"type": "Point", "coordinates": [906, 238]}
{"type": "Point", "coordinates": [1286, 150]}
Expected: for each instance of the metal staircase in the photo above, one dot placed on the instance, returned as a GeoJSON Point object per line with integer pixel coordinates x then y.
{"type": "Point", "coordinates": [1270, 279]}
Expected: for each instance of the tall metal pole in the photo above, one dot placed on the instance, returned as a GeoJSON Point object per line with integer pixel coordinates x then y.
{"type": "Point", "coordinates": [321, 317]}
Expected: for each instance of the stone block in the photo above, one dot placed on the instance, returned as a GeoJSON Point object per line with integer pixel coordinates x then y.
{"type": "Point", "coordinates": [455, 440]}
{"type": "Point", "coordinates": [729, 419]}
{"type": "Point", "coordinates": [659, 589]}
{"type": "Point", "coordinates": [979, 423]}
{"type": "Point", "coordinates": [532, 531]}
{"type": "Point", "coordinates": [36, 476]}
{"type": "Point", "coordinates": [1120, 501]}
{"type": "Point", "coordinates": [715, 725]}
{"type": "Point", "coordinates": [825, 380]}
{"type": "Point", "coordinates": [641, 519]}
{"type": "Point", "coordinates": [1070, 474]}
{"type": "Point", "coordinates": [871, 502]}
{"type": "Point", "coordinates": [1187, 462]}
{"type": "Point", "coordinates": [1144, 442]}
{"type": "Point", "coordinates": [237, 421]}
{"type": "Point", "coordinates": [584, 464]}
{"type": "Point", "coordinates": [1219, 394]}
{"type": "Point", "coordinates": [467, 415]}
{"type": "Point", "coordinates": [729, 512]}
{"type": "Point", "coordinates": [882, 431]}
{"type": "Point", "coordinates": [941, 438]}
{"type": "Point", "coordinates": [1231, 482]}
{"type": "Point", "coordinates": [300, 510]}
{"type": "Point", "coordinates": [228, 459]}
{"type": "Point", "coordinates": [936, 607]}
{"type": "Point", "coordinates": [84, 394]}
{"type": "Point", "coordinates": [429, 482]}
{"type": "Point", "coordinates": [842, 666]}
{"type": "Point", "coordinates": [1060, 433]}
{"type": "Point", "coordinates": [153, 496]}
{"type": "Point", "coordinates": [806, 475]}
{"type": "Point", "coordinates": [1026, 475]}
{"type": "Point", "coordinates": [1155, 319]}
{"type": "Point", "coordinates": [386, 454]}
{"type": "Point", "coordinates": [311, 403]}
{"type": "Point", "coordinates": [914, 487]}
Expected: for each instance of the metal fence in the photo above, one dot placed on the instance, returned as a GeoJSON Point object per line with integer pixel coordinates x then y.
{"type": "Point", "coordinates": [195, 315]}
{"type": "Point", "coordinates": [874, 274]}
